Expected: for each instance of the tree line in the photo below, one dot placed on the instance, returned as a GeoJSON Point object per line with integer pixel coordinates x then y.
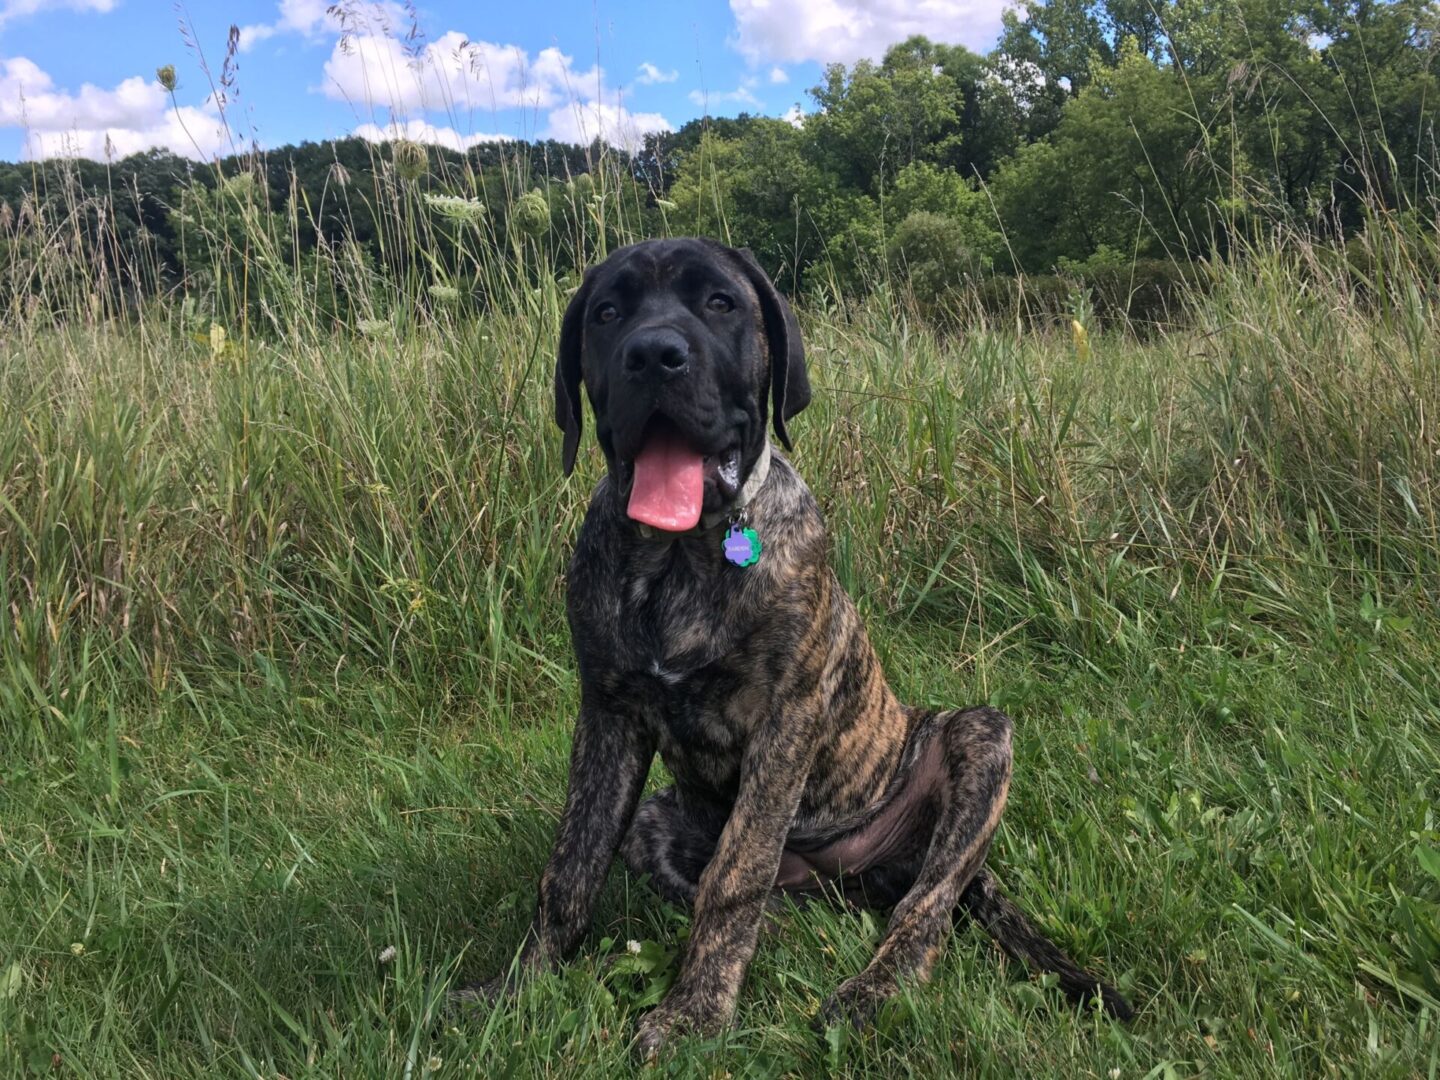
{"type": "Point", "coordinates": [1096, 135]}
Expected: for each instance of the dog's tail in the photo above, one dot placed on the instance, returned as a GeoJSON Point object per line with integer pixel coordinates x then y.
{"type": "Point", "coordinates": [1012, 931]}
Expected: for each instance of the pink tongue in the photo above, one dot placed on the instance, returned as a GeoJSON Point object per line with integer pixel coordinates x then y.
{"type": "Point", "coordinates": [669, 484]}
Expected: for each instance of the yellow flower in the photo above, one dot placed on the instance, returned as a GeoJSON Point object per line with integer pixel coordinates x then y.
{"type": "Point", "coordinates": [1081, 339]}
{"type": "Point", "coordinates": [217, 339]}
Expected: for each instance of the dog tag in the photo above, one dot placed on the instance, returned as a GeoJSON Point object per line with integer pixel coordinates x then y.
{"type": "Point", "coordinates": [742, 546]}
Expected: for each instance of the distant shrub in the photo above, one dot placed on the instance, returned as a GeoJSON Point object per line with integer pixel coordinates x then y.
{"type": "Point", "coordinates": [934, 255]}
{"type": "Point", "coordinates": [1146, 293]}
{"type": "Point", "coordinates": [1143, 294]}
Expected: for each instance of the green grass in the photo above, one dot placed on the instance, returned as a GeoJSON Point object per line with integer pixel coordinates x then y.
{"type": "Point", "coordinates": [285, 684]}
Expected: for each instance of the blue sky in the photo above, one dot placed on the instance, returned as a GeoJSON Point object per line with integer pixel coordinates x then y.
{"type": "Point", "coordinates": [78, 76]}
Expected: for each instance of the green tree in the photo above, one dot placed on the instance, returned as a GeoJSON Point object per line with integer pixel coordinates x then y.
{"type": "Point", "coordinates": [875, 120]}
{"type": "Point", "coordinates": [1129, 167]}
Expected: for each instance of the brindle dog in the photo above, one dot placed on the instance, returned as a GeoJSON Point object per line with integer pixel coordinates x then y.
{"type": "Point", "coordinates": [796, 769]}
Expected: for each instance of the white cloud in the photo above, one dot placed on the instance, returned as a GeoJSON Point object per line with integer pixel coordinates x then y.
{"type": "Point", "coordinates": [252, 35]}
{"type": "Point", "coordinates": [741, 95]}
{"type": "Point", "coordinates": [778, 76]}
{"type": "Point", "coordinates": [794, 116]}
{"type": "Point", "coordinates": [314, 18]}
{"type": "Point", "coordinates": [95, 123]}
{"type": "Point", "coordinates": [420, 131]}
{"type": "Point", "coordinates": [450, 74]}
{"type": "Point", "coordinates": [794, 31]}
{"type": "Point", "coordinates": [744, 94]}
{"type": "Point", "coordinates": [582, 122]}
{"type": "Point", "coordinates": [12, 9]}
{"type": "Point", "coordinates": [649, 74]}
{"type": "Point", "coordinates": [457, 76]}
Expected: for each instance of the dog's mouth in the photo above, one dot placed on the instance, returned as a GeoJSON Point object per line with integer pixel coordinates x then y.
{"type": "Point", "coordinates": [670, 480]}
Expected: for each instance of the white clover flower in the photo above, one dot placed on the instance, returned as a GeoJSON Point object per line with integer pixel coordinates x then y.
{"type": "Point", "coordinates": [632, 947]}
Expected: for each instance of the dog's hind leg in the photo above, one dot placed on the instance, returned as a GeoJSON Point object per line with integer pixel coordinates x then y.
{"type": "Point", "coordinates": [672, 844]}
{"type": "Point", "coordinates": [970, 759]}
{"type": "Point", "coordinates": [969, 762]}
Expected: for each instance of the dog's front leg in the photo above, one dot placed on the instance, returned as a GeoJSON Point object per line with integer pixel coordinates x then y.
{"type": "Point", "coordinates": [734, 887]}
{"type": "Point", "coordinates": [608, 764]}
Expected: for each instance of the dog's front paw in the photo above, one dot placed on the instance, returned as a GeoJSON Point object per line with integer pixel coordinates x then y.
{"type": "Point", "coordinates": [856, 1002]}
{"type": "Point", "coordinates": [665, 1023]}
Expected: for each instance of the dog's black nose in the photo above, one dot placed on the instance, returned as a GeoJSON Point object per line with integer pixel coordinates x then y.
{"type": "Point", "coordinates": [660, 353]}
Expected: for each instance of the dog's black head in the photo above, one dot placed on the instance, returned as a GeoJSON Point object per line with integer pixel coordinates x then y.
{"type": "Point", "coordinates": [685, 348]}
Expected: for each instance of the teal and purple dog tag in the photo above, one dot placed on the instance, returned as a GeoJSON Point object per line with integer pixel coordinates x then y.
{"type": "Point", "coordinates": [742, 546]}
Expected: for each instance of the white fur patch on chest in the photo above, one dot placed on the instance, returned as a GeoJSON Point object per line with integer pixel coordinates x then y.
{"type": "Point", "coordinates": [666, 676]}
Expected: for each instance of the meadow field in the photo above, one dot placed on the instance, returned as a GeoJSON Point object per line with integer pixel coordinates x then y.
{"type": "Point", "coordinates": [286, 689]}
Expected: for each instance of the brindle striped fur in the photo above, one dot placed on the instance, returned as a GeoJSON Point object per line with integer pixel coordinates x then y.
{"type": "Point", "coordinates": [796, 769]}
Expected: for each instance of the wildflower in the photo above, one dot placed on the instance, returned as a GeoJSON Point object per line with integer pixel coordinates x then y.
{"type": "Point", "coordinates": [531, 214]}
{"type": "Point", "coordinates": [1081, 338]}
{"type": "Point", "coordinates": [632, 947]}
{"type": "Point", "coordinates": [387, 954]}
{"type": "Point", "coordinates": [77, 948]}
{"type": "Point", "coordinates": [444, 294]}
{"type": "Point", "coordinates": [1115, 1074]}
{"type": "Point", "coordinates": [371, 327]}
{"type": "Point", "coordinates": [434, 1063]}
{"type": "Point", "coordinates": [241, 186]}
{"type": "Point", "coordinates": [217, 339]}
{"type": "Point", "coordinates": [411, 159]}
{"type": "Point", "coordinates": [165, 75]}
{"type": "Point", "coordinates": [455, 208]}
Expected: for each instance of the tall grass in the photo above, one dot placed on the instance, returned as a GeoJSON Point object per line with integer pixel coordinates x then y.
{"type": "Point", "coordinates": [188, 493]}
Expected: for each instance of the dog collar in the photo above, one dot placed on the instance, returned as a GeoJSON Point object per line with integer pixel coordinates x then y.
{"type": "Point", "coordinates": [733, 513]}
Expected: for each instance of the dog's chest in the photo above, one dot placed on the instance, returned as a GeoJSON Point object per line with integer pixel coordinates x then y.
{"type": "Point", "coordinates": [662, 611]}
{"type": "Point", "coordinates": [672, 640]}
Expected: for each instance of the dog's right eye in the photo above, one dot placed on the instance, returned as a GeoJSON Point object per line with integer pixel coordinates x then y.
{"type": "Point", "coordinates": [606, 313]}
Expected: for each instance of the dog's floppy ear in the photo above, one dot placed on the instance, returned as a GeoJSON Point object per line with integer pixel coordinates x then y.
{"type": "Point", "coordinates": [789, 382]}
{"type": "Point", "coordinates": [567, 373]}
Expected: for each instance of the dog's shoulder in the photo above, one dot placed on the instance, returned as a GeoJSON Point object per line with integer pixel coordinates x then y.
{"type": "Point", "coordinates": [602, 531]}
{"type": "Point", "coordinates": [787, 517]}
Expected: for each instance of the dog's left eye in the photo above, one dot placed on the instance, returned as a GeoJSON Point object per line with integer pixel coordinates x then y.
{"type": "Point", "coordinates": [720, 302]}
